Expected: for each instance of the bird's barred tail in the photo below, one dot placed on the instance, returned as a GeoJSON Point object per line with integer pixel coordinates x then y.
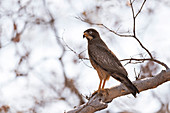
{"type": "Point", "coordinates": [131, 87]}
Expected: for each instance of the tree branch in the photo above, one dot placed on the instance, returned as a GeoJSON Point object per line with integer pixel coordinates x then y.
{"type": "Point", "coordinates": [140, 8]}
{"type": "Point", "coordinates": [99, 101]}
{"type": "Point", "coordinates": [145, 59]}
{"type": "Point", "coordinates": [134, 26]}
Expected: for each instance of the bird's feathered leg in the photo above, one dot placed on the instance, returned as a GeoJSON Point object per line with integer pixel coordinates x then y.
{"type": "Point", "coordinates": [104, 83]}
{"type": "Point", "coordinates": [100, 85]}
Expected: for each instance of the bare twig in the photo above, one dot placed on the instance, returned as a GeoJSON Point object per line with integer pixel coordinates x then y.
{"type": "Point", "coordinates": [146, 59]}
{"type": "Point", "coordinates": [134, 26]}
{"type": "Point", "coordinates": [140, 9]}
{"type": "Point", "coordinates": [134, 20]}
{"type": "Point", "coordinates": [77, 54]}
{"type": "Point", "coordinates": [98, 24]}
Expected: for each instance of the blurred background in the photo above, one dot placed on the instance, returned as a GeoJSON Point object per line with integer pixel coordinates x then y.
{"type": "Point", "coordinates": [44, 66]}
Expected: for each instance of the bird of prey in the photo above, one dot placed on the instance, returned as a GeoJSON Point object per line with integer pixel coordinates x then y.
{"type": "Point", "coordinates": [105, 62]}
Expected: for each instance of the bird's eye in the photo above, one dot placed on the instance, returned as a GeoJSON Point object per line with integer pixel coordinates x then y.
{"type": "Point", "coordinates": [90, 32]}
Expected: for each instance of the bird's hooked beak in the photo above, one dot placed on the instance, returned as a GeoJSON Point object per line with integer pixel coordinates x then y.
{"type": "Point", "coordinates": [87, 36]}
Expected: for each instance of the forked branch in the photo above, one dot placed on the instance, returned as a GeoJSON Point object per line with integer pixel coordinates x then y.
{"type": "Point", "coordinates": [134, 26]}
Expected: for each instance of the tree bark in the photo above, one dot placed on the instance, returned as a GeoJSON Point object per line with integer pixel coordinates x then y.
{"type": "Point", "coordinates": [100, 100]}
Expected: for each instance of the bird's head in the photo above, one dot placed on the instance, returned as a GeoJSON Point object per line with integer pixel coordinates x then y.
{"type": "Point", "coordinates": [91, 34]}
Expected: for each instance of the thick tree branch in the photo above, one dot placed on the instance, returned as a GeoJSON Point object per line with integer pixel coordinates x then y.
{"type": "Point", "coordinates": [99, 101]}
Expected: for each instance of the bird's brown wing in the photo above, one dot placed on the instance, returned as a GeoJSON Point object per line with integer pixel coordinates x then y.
{"type": "Point", "coordinates": [103, 57]}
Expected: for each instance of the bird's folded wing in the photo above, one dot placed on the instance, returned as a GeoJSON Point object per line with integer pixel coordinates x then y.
{"type": "Point", "coordinates": [104, 57]}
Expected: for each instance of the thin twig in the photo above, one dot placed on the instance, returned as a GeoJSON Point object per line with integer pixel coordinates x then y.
{"type": "Point", "coordinates": [77, 54]}
{"type": "Point", "coordinates": [140, 9]}
{"type": "Point", "coordinates": [98, 24]}
{"type": "Point", "coordinates": [146, 59]}
{"type": "Point", "coordinates": [134, 20]}
{"type": "Point", "coordinates": [134, 26]}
